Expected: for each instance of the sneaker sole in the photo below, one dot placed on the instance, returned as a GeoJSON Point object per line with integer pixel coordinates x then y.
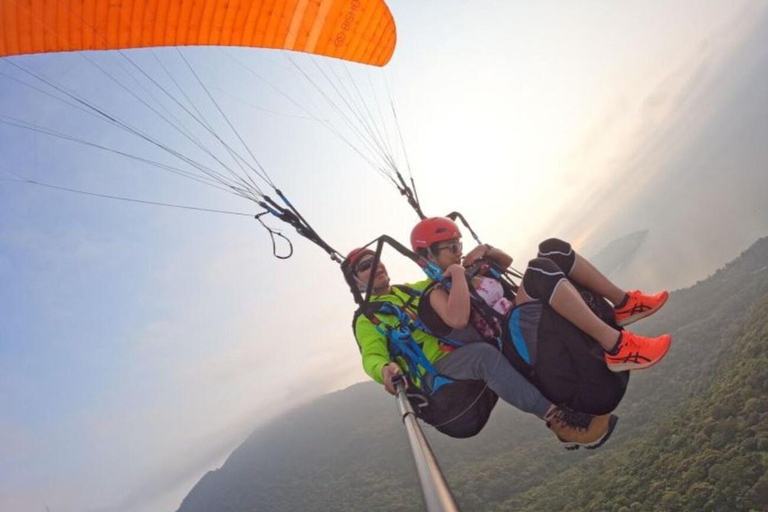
{"type": "Point", "coordinates": [633, 366]}
{"type": "Point", "coordinates": [612, 421]}
{"type": "Point", "coordinates": [644, 314]}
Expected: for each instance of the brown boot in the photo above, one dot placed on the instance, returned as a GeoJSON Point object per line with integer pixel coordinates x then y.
{"type": "Point", "coordinates": [580, 429]}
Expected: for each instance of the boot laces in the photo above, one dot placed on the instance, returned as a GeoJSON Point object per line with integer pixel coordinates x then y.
{"type": "Point", "coordinates": [572, 419]}
{"type": "Point", "coordinates": [629, 340]}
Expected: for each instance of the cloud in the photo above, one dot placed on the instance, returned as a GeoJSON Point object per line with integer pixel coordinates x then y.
{"type": "Point", "coordinates": [632, 151]}
{"type": "Point", "coordinates": [17, 444]}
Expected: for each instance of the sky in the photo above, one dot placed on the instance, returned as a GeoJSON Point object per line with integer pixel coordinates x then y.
{"type": "Point", "coordinates": [139, 345]}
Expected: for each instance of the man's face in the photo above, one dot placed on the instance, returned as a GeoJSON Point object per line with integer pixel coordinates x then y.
{"type": "Point", "coordinates": [363, 270]}
{"type": "Point", "coordinates": [447, 253]}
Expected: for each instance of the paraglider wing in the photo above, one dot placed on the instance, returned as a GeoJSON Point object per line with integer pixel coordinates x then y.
{"type": "Point", "coordinates": [356, 30]}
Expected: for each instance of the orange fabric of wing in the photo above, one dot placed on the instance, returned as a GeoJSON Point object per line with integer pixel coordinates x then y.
{"type": "Point", "coordinates": [356, 30]}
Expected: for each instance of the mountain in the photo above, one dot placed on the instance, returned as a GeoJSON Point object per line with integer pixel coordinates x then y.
{"type": "Point", "coordinates": [619, 252]}
{"type": "Point", "coordinates": [692, 434]}
{"type": "Point", "coordinates": [708, 456]}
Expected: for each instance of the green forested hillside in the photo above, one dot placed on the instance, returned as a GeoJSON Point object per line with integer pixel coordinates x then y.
{"type": "Point", "coordinates": [692, 432]}
{"type": "Point", "coordinates": [711, 455]}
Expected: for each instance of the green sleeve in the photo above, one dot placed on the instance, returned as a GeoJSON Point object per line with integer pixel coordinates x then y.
{"type": "Point", "coordinates": [373, 348]}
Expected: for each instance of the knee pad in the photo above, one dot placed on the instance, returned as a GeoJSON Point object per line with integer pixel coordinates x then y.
{"type": "Point", "coordinates": [541, 278]}
{"type": "Point", "coordinates": [558, 251]}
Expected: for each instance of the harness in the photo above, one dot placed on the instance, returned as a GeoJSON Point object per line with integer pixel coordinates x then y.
{"type": "Point", "coordinates": [400, 341]}
{"type": "Point", "coordinates": [457, 408]}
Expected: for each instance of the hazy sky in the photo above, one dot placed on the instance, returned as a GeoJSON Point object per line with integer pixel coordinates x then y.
{"type": "Point", "coordinates": [140, 345]}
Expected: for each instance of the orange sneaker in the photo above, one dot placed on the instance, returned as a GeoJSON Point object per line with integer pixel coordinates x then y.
{"type": "Point", "coordinates": [636, 352]}
{"type": "Point", "coordinates": [639, 306]}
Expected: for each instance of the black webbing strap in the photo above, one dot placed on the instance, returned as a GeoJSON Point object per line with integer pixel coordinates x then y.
{"type": "Point", "coordinates": [410, 194]}
{"type": "Point", "coordinates": [456, 215]}
{"type": "Point", "coordinates": [506, 275]}
{"type": "Point", "coordinates": [429, 268]}
{"type": "Point", "coordinates": [290, 215]}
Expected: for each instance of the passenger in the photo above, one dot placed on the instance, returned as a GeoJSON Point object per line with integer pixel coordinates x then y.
{"type": "Point", "coordinates": [557, 330]}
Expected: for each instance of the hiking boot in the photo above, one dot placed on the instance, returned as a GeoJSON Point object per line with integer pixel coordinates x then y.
{"type": "Point", "coordinates": [637, 352]}
{"type": "Point", "coordinates": [577, 429]}
{"type": "Point", "coordinates": [638, 306]}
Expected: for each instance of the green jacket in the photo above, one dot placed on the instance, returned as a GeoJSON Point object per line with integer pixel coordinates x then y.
{"type": "Point", "coordinates": [373, 344]}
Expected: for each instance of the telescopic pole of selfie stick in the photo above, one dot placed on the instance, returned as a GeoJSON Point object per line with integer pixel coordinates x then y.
{"type": "Point", "coordinates": [437, 494]}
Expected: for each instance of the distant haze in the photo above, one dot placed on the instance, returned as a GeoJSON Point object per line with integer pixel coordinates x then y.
{"type": "Point", "coordinates": [618, 253]}
{"type": "Point", "coordinates": [699, 184]}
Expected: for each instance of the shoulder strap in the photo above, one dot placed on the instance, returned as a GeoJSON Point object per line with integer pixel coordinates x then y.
{"type": "Point", "coordinates": [412, 293]}
{"type": "Point", "coordinates": [369, 309]}
{"type": "Point", "coordinates": [400, 342]}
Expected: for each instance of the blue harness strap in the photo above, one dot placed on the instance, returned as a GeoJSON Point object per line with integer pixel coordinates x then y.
{"type": "Point", "coordinates": [403, 345]}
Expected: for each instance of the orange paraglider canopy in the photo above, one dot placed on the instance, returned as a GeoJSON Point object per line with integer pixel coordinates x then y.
{"type": "Point", "coordinates": [356, 30]}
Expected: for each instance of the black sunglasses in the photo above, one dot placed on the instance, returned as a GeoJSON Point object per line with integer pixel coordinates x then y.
{"type": "Point", "coordinates": [364, 266]}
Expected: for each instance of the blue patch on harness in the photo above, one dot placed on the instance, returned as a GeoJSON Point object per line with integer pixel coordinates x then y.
{"type": "Point", "coordinates": [517, 336]}
{"type": "Point", "coordinates": [440, 381]}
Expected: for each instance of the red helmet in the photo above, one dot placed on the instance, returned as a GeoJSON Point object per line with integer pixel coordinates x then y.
{"type": "Point", "coordinates": [355, 254]}
{"type": "Point", "coordinates": [433, 230]}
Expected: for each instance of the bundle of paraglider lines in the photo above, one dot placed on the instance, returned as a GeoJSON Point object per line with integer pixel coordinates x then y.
{"type": "Point", "coordinates": [361, 32]}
